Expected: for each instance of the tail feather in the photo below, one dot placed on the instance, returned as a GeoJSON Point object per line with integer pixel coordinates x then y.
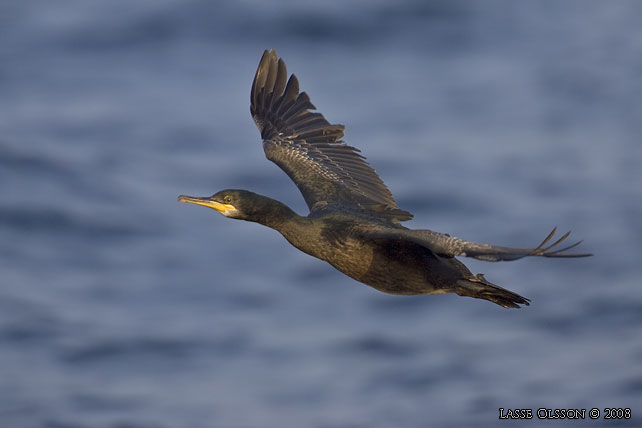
{"type": "Point", "coordinates": [478, 287]}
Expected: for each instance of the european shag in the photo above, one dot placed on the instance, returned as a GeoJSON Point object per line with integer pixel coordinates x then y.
{"type": "Point", "coordinates": [354, 222]}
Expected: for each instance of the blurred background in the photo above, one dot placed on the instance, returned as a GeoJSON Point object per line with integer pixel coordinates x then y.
{"type": "Point", "coordinates": [493, 121]}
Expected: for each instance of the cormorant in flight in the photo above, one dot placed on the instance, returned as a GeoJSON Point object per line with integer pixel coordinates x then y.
{"type": "Point", "coordinates": [354, 222]}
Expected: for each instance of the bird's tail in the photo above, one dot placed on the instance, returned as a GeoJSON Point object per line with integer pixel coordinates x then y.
{"type": "Point", "coordinates": [478, 287]}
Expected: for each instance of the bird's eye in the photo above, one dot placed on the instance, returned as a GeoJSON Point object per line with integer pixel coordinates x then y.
{"type": "Point", "coordinates": [227, 199]}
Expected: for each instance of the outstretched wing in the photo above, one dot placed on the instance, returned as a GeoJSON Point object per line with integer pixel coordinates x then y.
{"type": "Point", "coordinates": [309, 149]}
{"type": "Point", "coordinates": [449, 246]}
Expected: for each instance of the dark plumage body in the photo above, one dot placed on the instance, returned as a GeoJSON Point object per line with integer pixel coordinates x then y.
{"type": "Point", "coordinates": [354, 222]}
{"type": "Point", "coordinates": [343, 239]}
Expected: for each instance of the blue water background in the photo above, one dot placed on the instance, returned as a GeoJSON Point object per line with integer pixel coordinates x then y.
{"type": "Point", "coordinates": [493, 121]}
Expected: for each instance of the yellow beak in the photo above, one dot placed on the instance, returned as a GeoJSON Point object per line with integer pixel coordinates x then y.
{"type": "Point", "coordinates": [207, 202]}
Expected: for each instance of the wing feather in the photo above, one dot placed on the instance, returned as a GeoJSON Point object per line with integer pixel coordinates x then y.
{"type": "Point", "coordinates": [449, 246]}
{"type": "Point", "coordinates": [309, 149]}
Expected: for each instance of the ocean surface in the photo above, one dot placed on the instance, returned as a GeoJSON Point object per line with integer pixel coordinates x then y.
{"type": "Point", "coordinates": [493, 121]}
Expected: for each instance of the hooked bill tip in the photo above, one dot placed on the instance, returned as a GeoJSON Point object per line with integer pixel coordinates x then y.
{"type": "Point", "coordinates": [185, 198]}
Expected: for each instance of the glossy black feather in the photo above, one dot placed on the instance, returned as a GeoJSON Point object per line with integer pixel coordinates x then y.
{"type": "Point", "coordinates": [309, 148]}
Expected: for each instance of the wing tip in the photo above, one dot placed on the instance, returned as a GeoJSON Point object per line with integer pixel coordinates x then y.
{"type": "Point", "coordinates": [276, 101]}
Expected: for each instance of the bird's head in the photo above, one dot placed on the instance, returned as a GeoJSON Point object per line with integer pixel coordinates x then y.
{"type": "Point", "coordinates": [242, 205]}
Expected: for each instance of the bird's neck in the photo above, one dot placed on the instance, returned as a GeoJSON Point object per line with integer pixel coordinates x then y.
{"type": "Point", "coordinates": [277, 216]}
